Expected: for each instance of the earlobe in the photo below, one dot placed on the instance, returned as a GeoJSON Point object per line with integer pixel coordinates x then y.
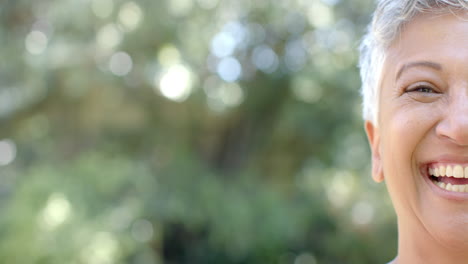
{"type": "Point", "coordinates": [374, 140]}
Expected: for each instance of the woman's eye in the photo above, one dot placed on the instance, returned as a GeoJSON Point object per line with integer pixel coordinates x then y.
{"type": "Point", "coordinates": [422, 89]}
{"type": "Point", "coordinates": [425, 90]}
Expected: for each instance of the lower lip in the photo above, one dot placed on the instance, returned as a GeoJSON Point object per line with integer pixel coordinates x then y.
{"type": "Point", "coordinates": [449, 195]}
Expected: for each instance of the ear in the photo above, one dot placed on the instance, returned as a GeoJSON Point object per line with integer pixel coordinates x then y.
{"type": "Point", "coordinates": [374, 140]}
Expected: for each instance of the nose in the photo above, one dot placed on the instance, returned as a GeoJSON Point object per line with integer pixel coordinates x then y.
{"type": "Point", "coordinates": [454, 124]}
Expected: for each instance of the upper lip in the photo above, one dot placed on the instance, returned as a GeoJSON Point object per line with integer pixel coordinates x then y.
{"type": "Point", "coordinates": [448, 159]}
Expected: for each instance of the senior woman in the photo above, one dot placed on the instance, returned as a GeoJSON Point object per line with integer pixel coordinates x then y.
{"type": "Point", "coordinates": [414, 68]}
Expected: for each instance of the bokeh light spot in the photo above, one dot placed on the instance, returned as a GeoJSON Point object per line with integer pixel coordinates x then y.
{"type": "Point", "coordinates": [120, 63]}
{"type": "Point", "coordinates": [223, 44]}
{"type": "Point", "coordinates": [130, 16]}
{"type": "Point", "coordinates": [236, 30]}
{"type": "Point", "coordinates": [231, 94]}
{"type": "Point", "coordinates": [229, 69]}
{"type": "Point", "coordinates": [306, 90]}
{"type": "Point", "coordinates": [56, 211]}
{"type": "Point", "coordinates": [102, 249]}
{"type": "Point", "coordinates": [221, 95]}
{"type": "Point", "coordinates": [168, 55]}
{"type": "Point", "coordinates": [109, 36]}
{"type": "Point", "coordinates": [7, 151]}
{"type": "Point", "coordinates": [36, 42]}
{"type": "Point", "coordinates": [265, 59]}
{"type": "Point", "coordinates": [320, 15]}
{"type": "Point", "coordinates": [340, 188]}
{"type": "Point", "coordinates": [176, 83]}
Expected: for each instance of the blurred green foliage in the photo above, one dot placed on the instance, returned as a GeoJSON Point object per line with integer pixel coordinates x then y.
{"type": "Point", "coordinates": [186, 131]}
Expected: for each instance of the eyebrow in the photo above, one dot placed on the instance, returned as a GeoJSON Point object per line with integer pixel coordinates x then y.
{"type": "Point", "coordinates": [428, 64]}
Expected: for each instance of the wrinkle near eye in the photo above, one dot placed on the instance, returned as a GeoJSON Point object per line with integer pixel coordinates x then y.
{"type": "Point", "coordinates": [423, 97]}
{"type": "Point", "coordinates": [422, 77]}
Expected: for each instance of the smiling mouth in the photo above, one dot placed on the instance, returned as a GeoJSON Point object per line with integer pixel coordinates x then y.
{"type": "Point", "coordinates": [452, 178]}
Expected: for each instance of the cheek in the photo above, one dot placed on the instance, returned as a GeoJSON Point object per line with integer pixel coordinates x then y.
{"type": "Point", "coordinates": [405, 135]}
{"type": "Point", "coordinates": [403, 131]}
{"type": "Point", "coordinates": [398, 148]}
{"type": "Point", "coordinates": [407, 123]}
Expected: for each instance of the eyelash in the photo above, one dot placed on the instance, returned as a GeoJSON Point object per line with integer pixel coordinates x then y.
{"type": "Point", "coordinates": [422, 88]}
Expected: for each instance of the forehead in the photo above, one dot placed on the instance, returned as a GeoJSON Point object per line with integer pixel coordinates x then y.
{"type": "Point", "coordinates": [435, 37]}
{"type": "Point", "coordinates": [430, 34]}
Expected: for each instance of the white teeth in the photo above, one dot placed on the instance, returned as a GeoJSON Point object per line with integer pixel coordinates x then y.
{"type": "Point", "coordinates": [442, 170]}
{"type": "Point", "coordinates": [452, 188]}
{"type": "Point", "coordinates": [458, 171]}
{"type": "Point", "coordinates": [449, 171]}
{"type": "Point", "coordinates": [448, 187]}
{"type": "Point", "coordinates": [462, 188]}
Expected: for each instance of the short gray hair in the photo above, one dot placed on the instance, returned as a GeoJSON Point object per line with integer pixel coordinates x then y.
{"type": "Point", "coordinates": [388, 19]}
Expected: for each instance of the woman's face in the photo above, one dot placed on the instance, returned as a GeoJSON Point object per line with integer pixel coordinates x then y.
{"type": "Point", "coordinates": [423, 126]}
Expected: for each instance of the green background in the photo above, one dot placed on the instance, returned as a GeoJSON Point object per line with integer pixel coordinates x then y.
{"type": "Point", "coordinates": [186, 131]}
